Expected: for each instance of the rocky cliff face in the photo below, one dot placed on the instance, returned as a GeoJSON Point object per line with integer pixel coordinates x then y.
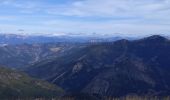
{"type": "Point", "coordinates": [115, 68]}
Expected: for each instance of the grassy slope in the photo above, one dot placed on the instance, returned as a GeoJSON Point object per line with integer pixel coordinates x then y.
{"type": "Point", "coordinates": [15, 84]}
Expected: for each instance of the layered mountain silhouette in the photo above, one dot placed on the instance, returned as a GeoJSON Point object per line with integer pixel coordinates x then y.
{"type": "Point", "coordinates": [15, 85]}
{"type": "Point", "coordinates": [52, 38]}
{"type": "Point", "coordinates": [139, 67]}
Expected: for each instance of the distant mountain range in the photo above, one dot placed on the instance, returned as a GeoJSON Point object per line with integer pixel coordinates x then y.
{"type": "Point", "coordinates": [139, 67]}
{"type": "Point", "coordinates": [30, 39]}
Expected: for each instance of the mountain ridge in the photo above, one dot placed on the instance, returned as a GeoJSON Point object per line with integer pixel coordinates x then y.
{"type": "Point", "coordinates": [95, 69]}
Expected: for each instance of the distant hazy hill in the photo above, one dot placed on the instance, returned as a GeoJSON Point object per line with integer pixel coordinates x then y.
{"type": "Point", "coordinates": [14, 84]}
{"type": "Point", "coordinates": [114, 68]}
{"type": "Point", "coordinates": [19, 56]}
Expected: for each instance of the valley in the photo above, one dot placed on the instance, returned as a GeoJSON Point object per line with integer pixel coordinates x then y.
{"type": "Point", "coordinates": [23, 55]}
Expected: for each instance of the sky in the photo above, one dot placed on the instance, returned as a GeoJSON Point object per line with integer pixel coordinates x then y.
{"type": "Point", "coordinates": [132, 17]}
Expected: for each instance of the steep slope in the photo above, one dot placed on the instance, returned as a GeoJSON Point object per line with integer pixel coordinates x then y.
{"type": "Point", "coordinates": [115, 68]}
{"type": "Point", "coordinates": [14, 84]}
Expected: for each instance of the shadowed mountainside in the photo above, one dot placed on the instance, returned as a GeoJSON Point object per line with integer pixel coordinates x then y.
{"type": "Point", "coordinates": [118, 68]}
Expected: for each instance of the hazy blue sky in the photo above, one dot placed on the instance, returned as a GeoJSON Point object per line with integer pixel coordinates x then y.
{"type": "Point", "coordinates": [85, 16]}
